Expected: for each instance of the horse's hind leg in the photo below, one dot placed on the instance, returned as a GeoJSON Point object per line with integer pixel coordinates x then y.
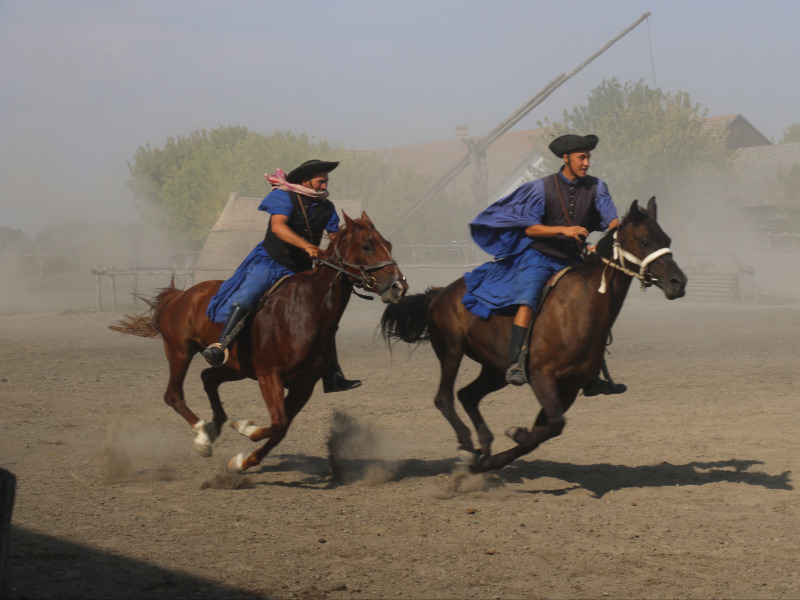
{"type": "Point", "coordinates": [449, 361]}
{"type": "Point", "coordinates": [204, 433]}
{"type": "Point", "coordinates": [488, 381]}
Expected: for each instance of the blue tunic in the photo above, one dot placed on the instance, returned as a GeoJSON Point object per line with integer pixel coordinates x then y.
{"type": "Point", "coordinates": [519, 272]}
{"type": "Point", "coordinates": [258, 271]}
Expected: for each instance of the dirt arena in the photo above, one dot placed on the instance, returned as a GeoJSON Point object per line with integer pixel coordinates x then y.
{"type": "Point", "coordinates": [682, 487]}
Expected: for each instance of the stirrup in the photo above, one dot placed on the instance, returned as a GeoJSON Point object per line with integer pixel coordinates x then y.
{"type": "Point", "coordinates": [515, 375]}
{"type": "Point", "coordinates": [212, 354]}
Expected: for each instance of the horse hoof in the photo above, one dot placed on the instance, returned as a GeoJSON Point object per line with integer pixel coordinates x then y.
{"type": "Point", "coordinates": [512, 433]}
{"type": "Point", "coordinates": [244, 426]}
{"type": "Point", "coordinates": [467, 457]}
{"type": "Point", "coordinates": [235, 465]}
{"type": "Point", "coordinates": [204, 434]}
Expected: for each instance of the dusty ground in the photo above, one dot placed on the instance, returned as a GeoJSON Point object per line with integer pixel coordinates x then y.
{"type": "Point", "coordinates": [682, 487]}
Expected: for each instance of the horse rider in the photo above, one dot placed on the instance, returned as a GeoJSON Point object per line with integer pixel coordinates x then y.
{"type": "Point", "coordinates": [299, 212]}
{"type": "Point", "coordinates": [534, 232]}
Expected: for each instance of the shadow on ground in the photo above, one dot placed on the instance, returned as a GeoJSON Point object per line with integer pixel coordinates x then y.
{"type": "Point", "coordinates": [41, 566]}
{"type": "Point", "coordinates": [598, 479]}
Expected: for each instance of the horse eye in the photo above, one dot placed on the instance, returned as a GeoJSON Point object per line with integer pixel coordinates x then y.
{"type": "Point", "coordinates": [645, 241]}
{"type": "Point", "coordinates": [366, 248]}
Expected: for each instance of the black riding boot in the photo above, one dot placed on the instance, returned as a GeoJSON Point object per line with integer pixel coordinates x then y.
{"type": "Point", "coordinates": [515, 374]}
{"type": "Point", "coordinates": [217, 354]}
{"type": "Point", "coordinates": [604, 386]}
{"type": "Point", "coordinates": [333, 380]}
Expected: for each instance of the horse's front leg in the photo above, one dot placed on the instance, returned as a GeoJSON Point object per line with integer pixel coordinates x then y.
{"type": "Point", "coordinates": [212, 378]}
{"type": "Point", "coordinates": [549, 423]}
{"type": "Point", "coordinates": [282, 413]}
{"type": "Point", "coordinates": [488, 381]}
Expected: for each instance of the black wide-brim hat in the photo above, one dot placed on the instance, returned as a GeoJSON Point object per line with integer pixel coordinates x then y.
{"type": "Point", "coordinates": [567, 144]}
{"type": "Point", "coordinates": [310, 168]}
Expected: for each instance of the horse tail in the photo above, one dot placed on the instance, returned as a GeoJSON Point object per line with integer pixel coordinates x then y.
{"type": "Point", "coordinates": [408, 319]}
{"type": "Point", "coordinates": [147, 324]}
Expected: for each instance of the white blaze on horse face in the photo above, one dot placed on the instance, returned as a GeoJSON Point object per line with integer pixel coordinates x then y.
{"type": "Point", "coordinates": [204, 434]}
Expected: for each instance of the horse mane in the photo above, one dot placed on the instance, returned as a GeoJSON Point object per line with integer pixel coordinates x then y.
{"type": "Point", "coordinates": [603, 248]}
{"type": "Point", "coordinates": [335, 236]}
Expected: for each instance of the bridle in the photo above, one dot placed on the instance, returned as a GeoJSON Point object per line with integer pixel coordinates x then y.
{"type": "Point", "coordinates": [618, 262]}
{"type": "Point", "coordinates": [361, 277]}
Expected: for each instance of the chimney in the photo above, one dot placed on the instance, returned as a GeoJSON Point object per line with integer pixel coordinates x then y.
{"type": "Point", "coordinates": [462, 132]}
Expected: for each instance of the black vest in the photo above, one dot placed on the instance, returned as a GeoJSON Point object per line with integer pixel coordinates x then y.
{"type": "Point", "coordinates": [290, 256]}
{"type": "Point", "coordinates": [562, 199]}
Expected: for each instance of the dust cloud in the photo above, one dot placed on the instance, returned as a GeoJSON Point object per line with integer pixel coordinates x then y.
{"type": "Point", "coordinates": [359, 454]}
{"type": "Point", "coordinates": [123, 440]}
{"type": "Point", "coordinates": [56, 269]}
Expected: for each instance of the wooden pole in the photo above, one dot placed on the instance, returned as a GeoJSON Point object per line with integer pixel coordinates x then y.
{"type": "Point", "coordinates": [99, 299]}
{"type": "Point", "coordinates": [113, 292]}
{"type": "Point", "coordinates": [488, 140]}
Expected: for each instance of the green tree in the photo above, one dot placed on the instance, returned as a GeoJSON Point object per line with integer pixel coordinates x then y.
{"type": "Point", "coordinates": [652, 143]}
{"type": "Point", "coordinates": [183, 187]}
{"type": "Point", "coordinates": [792, 134]}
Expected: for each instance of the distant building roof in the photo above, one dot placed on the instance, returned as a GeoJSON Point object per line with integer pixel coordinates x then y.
{"type": "Point", "coordinates": [756, 171]}
{"type": "Point", "coordinates": [740, 132]}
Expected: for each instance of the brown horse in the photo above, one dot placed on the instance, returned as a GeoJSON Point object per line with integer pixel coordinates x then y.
{"type": "Point", "coordinates": [568, 338]}
{"type": "Point", "coordinates": [288, 344]}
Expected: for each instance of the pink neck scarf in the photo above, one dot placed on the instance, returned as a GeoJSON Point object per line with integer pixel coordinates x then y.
{"type": "Point", "coordinates": [278, 181]}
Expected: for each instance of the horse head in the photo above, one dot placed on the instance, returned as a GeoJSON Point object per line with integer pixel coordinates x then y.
{"type": "Point", "coordinates": [641, 241]}
{"type": "Point", "coordinates": [365, 257]}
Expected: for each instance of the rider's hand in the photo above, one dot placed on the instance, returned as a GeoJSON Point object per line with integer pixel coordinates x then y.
{"type": "Point", "coordinates": [577, 233]}
{"type": "Point", "coordinates": [312, 250]}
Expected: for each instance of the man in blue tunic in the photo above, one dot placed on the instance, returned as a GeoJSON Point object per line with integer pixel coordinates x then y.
{"type": "Point", "coordinates": [299, 213]}
{"type": "Point", "coordinates": [533, 233]}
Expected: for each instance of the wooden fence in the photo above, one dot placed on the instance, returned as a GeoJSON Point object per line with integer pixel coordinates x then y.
{"type": "Point", "coordinates": [135, 273]}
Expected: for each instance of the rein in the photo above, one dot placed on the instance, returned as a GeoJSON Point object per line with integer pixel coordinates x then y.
{"type": "Point", "coordinates": [618, 262]}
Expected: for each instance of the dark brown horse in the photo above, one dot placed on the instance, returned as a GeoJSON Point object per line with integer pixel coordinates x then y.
{"type": "Point", "coordinates": [568, 338]}
{"type": "Point", "coordinates": [288, 344]}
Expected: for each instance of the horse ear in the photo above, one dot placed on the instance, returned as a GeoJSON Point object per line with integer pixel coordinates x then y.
{"type": "Point", "coordinates": [347, 220]}
{"type": "Point", "coordinates": [651, 208]}
{"type": "Point", "coordinates": [366, 219]}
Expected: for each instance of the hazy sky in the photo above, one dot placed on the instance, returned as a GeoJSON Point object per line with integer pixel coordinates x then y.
{"type": "Point", "coordinates": [84, 83]}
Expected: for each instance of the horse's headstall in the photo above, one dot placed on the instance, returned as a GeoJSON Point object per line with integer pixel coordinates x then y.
{"type": "Point", "coordinates": [620, 255]}
{"type": "Point", "coordinates": [361, 277]}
